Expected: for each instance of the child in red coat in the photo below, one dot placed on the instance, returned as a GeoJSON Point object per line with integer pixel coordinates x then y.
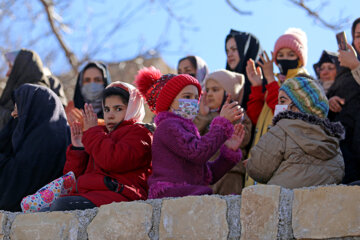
{"type": "Point", "coordinates": [112, 162]}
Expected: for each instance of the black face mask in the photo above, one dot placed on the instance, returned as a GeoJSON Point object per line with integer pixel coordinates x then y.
{"type": "Point", "coordinates": [284, 65]}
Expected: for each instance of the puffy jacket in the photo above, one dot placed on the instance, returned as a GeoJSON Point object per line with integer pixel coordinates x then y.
{"type": "Point", "coordinates": [300, 150]}
{"type": "Point", "coordinates": [114, 166]}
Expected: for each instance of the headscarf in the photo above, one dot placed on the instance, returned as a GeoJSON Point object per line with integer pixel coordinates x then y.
{"type": "Point", "coordinates": [326, 56]}
{"type": "Point", "coordinates": [248, 47]}
{"type": "Point", "coordinates": [79, 100]}
{"type": "Point", "coordinates": [201, 69]}
{"type": "Point", "coordinates": [135, 108]}
{"type": "Point", "coordinates": [32, 146]}
{"type": "Point", "coordinates": [27, 68]}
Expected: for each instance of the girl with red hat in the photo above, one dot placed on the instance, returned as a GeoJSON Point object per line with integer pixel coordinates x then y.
{"type": "Point", "coordinates": [179, 154]}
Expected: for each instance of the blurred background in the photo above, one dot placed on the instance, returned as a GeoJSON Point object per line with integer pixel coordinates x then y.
{"type": "Point", "coordinates": [130, 34]}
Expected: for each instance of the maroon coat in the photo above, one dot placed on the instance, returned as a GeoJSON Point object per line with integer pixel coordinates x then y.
{"type": "Point", "coordinates": [123, 155]}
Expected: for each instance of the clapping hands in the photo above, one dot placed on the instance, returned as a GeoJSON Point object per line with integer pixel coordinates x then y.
{"type": "Point", "coordinates": [237, 138]}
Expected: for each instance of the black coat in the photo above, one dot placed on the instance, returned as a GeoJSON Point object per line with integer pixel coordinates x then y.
{"type": "Point", "coordinates": [32, 146]}
{"type": "Point", "coordinates": [346, 87]}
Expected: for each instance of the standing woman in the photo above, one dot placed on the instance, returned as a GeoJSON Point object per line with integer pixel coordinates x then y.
{"type": "Point", "coordinates": [32, 145]}
{"type": "Point", "coordinates": [240, 47]}
{"type": "Point", "coordinates": [344, 103]}
{"type": "Point", "coordinates": [194, 66]}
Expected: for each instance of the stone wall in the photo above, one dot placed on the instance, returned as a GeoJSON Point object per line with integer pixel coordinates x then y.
{"type": "Point", "coordinates": [262, 212]}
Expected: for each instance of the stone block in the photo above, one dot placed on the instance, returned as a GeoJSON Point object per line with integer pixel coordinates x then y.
{"type": "Point", "coordinates": [259, 213]}
{"type": "Point", "coordinates": [326, 212]}
{"type": "Point", "coordinates": [194, 217]}
{"type": "Point", "coordinates": [126, 220]}
{"type": "Point", "coordinates": [54, 225]}
{"type": "Point", "coordinates": [2, 222]}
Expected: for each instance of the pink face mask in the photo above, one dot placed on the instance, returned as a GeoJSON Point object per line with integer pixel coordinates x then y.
{"type": "Point", "coordinates": [188, 108]}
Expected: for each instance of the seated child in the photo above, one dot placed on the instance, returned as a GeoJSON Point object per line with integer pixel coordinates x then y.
{"type": "Point", "coordinates": [32, 145]}
{"type": "Point", "coordinates": [218, 84]}
{"type": "Point", "coordinates": [112, 162]}
{"type": "Point", "coordinates": [302, 148]}
{"type": "Point", "coordinates": [181, 156]}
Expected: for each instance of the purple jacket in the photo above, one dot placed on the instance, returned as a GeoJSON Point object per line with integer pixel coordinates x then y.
{"type": "Point", "coordinates": [180, 156]}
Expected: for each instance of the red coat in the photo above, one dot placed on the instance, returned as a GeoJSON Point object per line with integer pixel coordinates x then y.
{"type": "Point", "coordinates": [257, 99]}
{"type": "Point", "coordinates": [124, 155]}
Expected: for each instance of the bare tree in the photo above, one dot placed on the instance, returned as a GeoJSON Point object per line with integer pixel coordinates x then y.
{"type": "Point", "coordinates": [50, 24]}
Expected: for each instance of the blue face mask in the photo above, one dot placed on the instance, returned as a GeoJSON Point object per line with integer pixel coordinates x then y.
{"type": "Point", "coordinates": [92, 91]}
{"type": "Point", "coordinates": [188, 108]}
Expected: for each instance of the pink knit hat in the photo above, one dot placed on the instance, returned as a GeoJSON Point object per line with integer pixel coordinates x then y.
{"type": "Point", "coordinates": [296, 40]}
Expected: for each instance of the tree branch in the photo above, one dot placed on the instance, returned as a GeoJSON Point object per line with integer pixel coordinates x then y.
{"type": "Point", "coordinates": [69, 54]}
{"type": "Point", "coordinates": [236, 9]}
{"type": "Point", "coordinates": [316, 16]}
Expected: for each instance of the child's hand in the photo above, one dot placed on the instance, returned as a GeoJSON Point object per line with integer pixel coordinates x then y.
{"type": "Point", "coordinates": [254, 74]}
{"type": "Point", "coordinates": [76, 134]}
{"type": "Point", "coordinates": [203, 108]}
{"type": "Point", "coordinates": [348, 58]}
{"type": "Point", "coordinates": [237, 138]}
{"type": "Point", "coordinates": [90, 117]}
{"type": "Point", "coordinates": [231, 111]}
{"type": "Point", "coordinates": [267, 67]}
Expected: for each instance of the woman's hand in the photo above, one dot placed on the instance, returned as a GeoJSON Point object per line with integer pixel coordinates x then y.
{"type": "Point", "coordinates": [90, 117]}
{"type": "Point", "coordinates": [254, 74]}
{"type": "Point", "coordinates": [76, 134]}
{"type": "Point", "coordinates": [335, 104]}
{"type": "Point", "coordinates": [203, 108]}
{"type": "Point", "coordinates": [348, 58]}
{"type": "Point", "coordinates": [231, 111]}
{"type": "Point", "coordinates": [267, 67]}
{"type": "Point", "coordinates": [237, 138]}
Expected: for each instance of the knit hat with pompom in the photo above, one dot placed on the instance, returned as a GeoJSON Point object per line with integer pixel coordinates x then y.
{"type": "Point", "coordinates": [160, 91]}
{"type": "Point", "coordinates": [296, 40]}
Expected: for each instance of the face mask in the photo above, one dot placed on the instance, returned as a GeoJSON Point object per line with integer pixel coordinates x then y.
{"type": "Point", "coordinates": [280, 108]}
{"type": "Point", "coordinates": [188, 108]}
{"type": "Point", "coordinates": [284, 65]}
{"type": "Point", "coordinates": [92, 91]}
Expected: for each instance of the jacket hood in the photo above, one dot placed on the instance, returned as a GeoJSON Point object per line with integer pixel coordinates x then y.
{"type": "Point", "coordinates": [315, 136]}
{"type": "Point", "coordinates": [78, 98]}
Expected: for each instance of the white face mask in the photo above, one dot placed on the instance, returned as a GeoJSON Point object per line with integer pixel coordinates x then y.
{"type": "Point", "coordinates": [188, 108]}
{"type": "Point", "coordinates": [280, 108]}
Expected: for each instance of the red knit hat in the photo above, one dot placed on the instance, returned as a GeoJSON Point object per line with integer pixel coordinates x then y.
{"type": "Point", "coordinates": [296, 40]}
{"type": "Point", "coordinates": [160, 91]}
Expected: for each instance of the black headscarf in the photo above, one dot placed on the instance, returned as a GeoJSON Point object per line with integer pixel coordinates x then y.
{"type": "Point", "coordinates": [32, 146]}
{"type": "Point", "coordinates": [78, 97]}
{"type": "Point", "coordinates": [326, 56]}
{"type": "Point", "coordinates": [248, 47]}
{"type": "Point", "coordinates": [27, 68]}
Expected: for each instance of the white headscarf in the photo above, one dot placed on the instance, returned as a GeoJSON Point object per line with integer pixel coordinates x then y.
{"type": "Point", "coordinates": [135, 109]}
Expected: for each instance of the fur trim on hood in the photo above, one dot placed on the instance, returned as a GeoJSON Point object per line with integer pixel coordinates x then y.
{"type": "Point", "coordinates": [334, 129]}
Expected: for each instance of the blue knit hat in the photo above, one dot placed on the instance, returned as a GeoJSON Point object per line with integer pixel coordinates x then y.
{"type": "Point", "coordinates": [307, 96]}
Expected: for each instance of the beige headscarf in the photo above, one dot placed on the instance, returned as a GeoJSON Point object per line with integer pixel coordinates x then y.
{"type": "Point", "coordinates": [232, 82]}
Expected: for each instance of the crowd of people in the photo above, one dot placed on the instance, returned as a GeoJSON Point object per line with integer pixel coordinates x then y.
{"type": "Point", "coordinates": [213, 132]}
